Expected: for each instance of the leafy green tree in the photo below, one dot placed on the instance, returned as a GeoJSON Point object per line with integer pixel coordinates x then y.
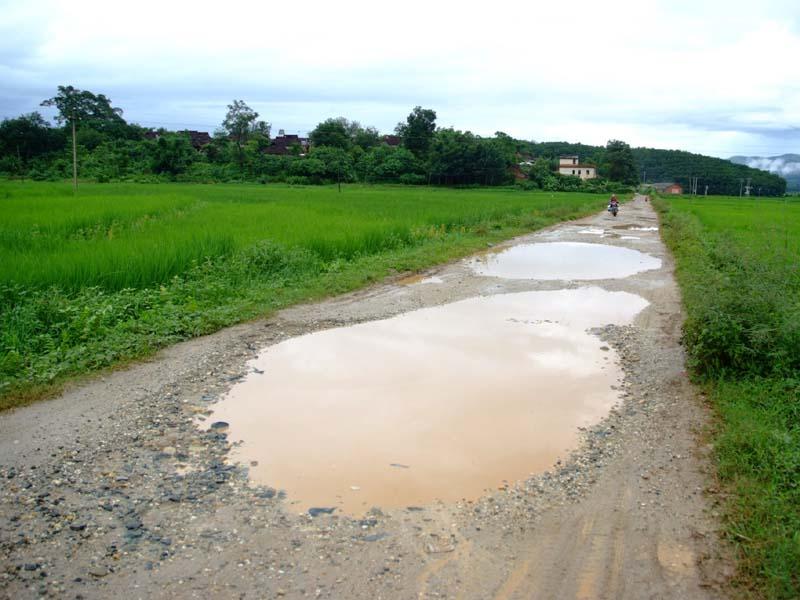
{"type": "Point", "coordinates": [338, 163]}
{"type": "Point", "coordinates": [618, 163]}
{"type": "Point", "coordinates": [219, 150]}
{"type": "Point", "coordinates": [366, 138]}
{"type": "Point", "coordinates": [172, 154]}
{"type": "Point", "coordinates": [27, 137]}
{"type": "Point", "coordinates": [460, 157]}
{"type": "Point", "coordinates": [542, 172]}
{"type": "Point", "coordinates": [389, 164]}
{"type": "Point", "coordinates": [241, 122]}
{"type": "Point", "coordinates": [507, 145]}
{"type": "Point", "coordinates": [83, 107]}
{"type": "Point", "coordinates": [309, 170]}
{"type": "Point", "coordinates": [332, 132]}
{"type": "Point", "coordinates": [417, 132]}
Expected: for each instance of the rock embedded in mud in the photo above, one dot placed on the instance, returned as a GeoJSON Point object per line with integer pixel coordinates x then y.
{"type": "Point", "coordinates": [98, 571]}
{"type": "Point", "coordinates": [315, 511]}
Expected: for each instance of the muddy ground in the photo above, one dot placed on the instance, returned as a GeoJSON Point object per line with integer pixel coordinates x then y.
{"type": "Point", "coordinates": [113, 490]}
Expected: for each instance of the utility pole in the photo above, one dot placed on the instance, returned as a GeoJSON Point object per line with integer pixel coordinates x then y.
{"type": "Point", "coordinates": [706, 194]}
{"type": "Point", "coordinates": [741, 181]}
{"type": "Point", "coordinates": [74, 158]}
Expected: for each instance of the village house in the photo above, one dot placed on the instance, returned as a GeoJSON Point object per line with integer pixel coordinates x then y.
{"type": "Point", "coordinates": [285, 144]}
{"type": "Point", "coordinates": [392, 140]}
{"type": "Point", "coordinates": [198, 139]}
{"type": "Point", "coordinates": [571, 165]}
{"type": "Point", "coordinates": [668, 188]}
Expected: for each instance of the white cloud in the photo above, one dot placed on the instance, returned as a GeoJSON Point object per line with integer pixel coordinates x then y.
{"type": "Point", "coordinates": [711, 77]}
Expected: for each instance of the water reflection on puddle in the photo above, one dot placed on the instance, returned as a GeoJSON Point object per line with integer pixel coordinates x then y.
{"type": "Point", "coordinates": [439, 403]}
{"type": "Point", "coordinates": [562, 261]}
{"type": "Point", "coordinates": [420, 280]}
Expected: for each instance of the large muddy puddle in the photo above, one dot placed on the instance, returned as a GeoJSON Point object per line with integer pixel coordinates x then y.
{"type": "Point", "coordinates": [563, 261]}
{"type": "Point", "coordinates": [439, 403]}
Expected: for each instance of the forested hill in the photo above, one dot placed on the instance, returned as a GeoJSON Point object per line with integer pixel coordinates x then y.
{"type": "Point", "coordinates": [721, 176]}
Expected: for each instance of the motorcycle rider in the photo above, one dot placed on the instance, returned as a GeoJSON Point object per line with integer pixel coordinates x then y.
{"type": "Point", "coordinates": [613, 203]}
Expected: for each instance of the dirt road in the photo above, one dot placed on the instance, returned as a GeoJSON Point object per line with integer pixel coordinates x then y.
{"type": "Point", "coordinates": [112, 489]}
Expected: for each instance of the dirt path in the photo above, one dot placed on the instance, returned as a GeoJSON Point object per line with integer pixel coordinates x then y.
{"type": "Point", "coordinates": [112, 489]}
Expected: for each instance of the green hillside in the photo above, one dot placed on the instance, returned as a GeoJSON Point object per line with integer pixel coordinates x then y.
{"type": "Point", "coordinates": [722, 176]}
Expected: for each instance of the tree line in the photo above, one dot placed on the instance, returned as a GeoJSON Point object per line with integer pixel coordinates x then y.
{"type": "Point", "coordinates": [108, 148]}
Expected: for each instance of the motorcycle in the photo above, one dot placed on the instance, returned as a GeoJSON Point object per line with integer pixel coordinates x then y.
{"type": "Point", "coordinates": [613, 209]}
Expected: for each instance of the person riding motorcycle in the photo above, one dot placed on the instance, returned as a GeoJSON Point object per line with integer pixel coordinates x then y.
{"type": "Point", "coordinates": [613, 205]}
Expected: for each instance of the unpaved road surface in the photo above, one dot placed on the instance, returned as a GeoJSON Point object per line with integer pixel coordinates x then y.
{"type": "Point", "coordinates": [112, 489]}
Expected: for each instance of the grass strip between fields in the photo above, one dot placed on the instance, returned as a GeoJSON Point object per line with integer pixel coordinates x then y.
{"type": "Point", "coordinates": [738, 271]}
{"type": "Point", "coordinates": [51, 333]}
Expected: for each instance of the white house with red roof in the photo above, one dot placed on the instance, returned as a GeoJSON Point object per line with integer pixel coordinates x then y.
{"type": "Point", "coordinates": [571, 165]}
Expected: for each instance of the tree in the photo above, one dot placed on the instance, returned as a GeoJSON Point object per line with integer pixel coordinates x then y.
{"type": "Point", "coordinates": [240, 123]}
{"type": "Point", "coordinates": [541, 172]}
{"type": "Point", "coordinates": [82, 106]}
{"type": "Point", "coordinates": [366, 137]}
{"type": "Point", "coordinates": [417, 132]}
{"type": "Point", "coordinates": [332, 132]}
{"type": "Point", "coordinates": [460, 157]}
{"type": "Point", "coordinates": [27, 137]}
{"type": "Point", "coordinates": [338, 163]}
{"type": "Point", "coordinates": [618, 162]}
{"type": "Point", "coordinates": [390, 164]}
{"type": "Point", "coordinates": [172, 154]}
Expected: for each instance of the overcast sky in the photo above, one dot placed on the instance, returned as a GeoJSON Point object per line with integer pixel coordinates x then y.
{"type": "Point", "coordinates": [716, 76]}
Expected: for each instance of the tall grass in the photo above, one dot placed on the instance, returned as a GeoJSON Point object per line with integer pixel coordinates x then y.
{"type": "Point", "coordinates": [121, 236]}
{"type": "Point", "coordinates": [738, 266]}
{"type": "Point", "coordinates": [121, 270]}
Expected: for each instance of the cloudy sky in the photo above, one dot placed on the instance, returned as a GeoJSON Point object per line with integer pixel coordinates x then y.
{"type": "Point", "coordinates": [709, 76]}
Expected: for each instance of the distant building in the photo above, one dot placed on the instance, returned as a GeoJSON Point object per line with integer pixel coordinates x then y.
{"type": "Point", "coordinates": [667, 188]}
{"type": "Point", "coordinates": [198, 139]}
{"type": "Point", "coordinates": [571, 165]}
{"type": "Point", "coordinates": [392, 140]}
{"type": "Point", "coordinates": [284, 144]}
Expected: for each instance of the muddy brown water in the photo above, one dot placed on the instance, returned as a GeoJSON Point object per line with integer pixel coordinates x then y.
{"type": "Point", "coordinates": [563, 261]}
{"type": "Point", "coordinates": [439, 403]}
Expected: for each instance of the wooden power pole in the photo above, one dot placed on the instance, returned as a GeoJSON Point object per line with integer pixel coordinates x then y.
{"type": "Point", "coordinates": [74, 158]}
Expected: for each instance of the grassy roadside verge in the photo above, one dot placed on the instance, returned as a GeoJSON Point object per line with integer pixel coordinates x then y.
{"type": "Point", "coordinates": [51, 333]}
{"type": "Point", "coordinates": [737, 265]}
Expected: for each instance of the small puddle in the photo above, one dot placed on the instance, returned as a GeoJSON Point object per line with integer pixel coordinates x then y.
{"type": "Point", "coordinates": [563, 261]}
{"type": "Point", "coordinates": [420, 279]}
{"type": "Point", "coordinates": [635, 228]}
{"type": "Point", "coordinates": [592, 231]}
{"type": "Point", "coordinates": [439, 403]}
